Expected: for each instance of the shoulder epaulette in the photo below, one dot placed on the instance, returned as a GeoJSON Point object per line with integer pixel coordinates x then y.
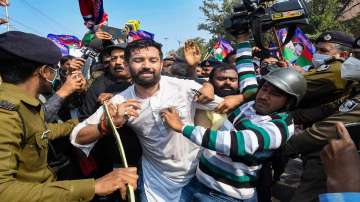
{"type": "Point", "coordinates": [7, 105]}
{"type": "Point", "coordinates": [332, 60]}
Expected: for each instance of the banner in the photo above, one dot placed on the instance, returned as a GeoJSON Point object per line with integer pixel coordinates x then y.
{"type": "Point", "coordinates": [93, 13]}
{"type": "Point", "coordinates": [65, 42]}
{"type": "Point", "coordinates": [221, 49]}
{"type": "Point", "coordinates": [299, 50]}
{"type": "Point", "coordinates": [140, 34]}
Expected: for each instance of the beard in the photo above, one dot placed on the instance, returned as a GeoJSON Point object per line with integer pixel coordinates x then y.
{"type": "Point", "coordinates": [226, 90]}
{"type": "Point", "coordinates": [45, 87]}
{"type": "Point", "coordinates": [145, 82]}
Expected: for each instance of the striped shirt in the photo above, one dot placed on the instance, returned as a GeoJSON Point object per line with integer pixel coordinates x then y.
{"type": "Point", "coordinates": [245, 69]}
{"type": "Point", "coordinates": [234, 153]}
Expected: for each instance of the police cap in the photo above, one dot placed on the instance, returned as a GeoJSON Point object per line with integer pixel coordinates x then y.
{"type": "Point", "coordinates": [356, 45]}
{"type": "Point", "coordinates": [120, 46]}
{"type": "Point", "coordinates": [30, 47]}
{"type": "Point", "coordinates": [336, 37]}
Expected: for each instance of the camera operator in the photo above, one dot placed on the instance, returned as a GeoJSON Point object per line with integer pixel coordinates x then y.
{"type": "Point", "coordinates": [313, 139]}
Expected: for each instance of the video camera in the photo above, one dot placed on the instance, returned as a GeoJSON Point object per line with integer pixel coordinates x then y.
{"type": "Point", "coordinates": [260, 16]}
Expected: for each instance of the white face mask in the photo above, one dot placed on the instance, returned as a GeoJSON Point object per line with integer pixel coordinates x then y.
{"type": "Point", "coordinates": [350, 69]}
{"type": "Point", "coordinates": [319, 59]}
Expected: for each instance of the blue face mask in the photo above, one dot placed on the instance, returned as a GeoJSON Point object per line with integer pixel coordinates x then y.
{"type": "Point", "coordinates": [319, 59]}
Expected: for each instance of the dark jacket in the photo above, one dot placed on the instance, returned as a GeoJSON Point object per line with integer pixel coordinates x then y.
{"type": "Point", "coordinates": [104, 152]}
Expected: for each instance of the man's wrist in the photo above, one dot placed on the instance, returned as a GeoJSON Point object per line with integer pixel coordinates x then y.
{"type": "Point", "coordinates": [103, 127]}
{"type": "Point", "coordinates": [187, 130]}
{"type": "Point", "coordinates": [180, 129]}
{"type": "Point", "coordinates": [63, 93]}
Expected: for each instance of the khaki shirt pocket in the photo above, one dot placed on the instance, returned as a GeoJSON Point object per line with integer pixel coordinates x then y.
{"type": "Point", "coordinates": [34, 154]}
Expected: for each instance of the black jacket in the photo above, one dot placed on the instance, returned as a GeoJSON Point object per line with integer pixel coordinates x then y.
{"type": "Point", "coordinates": [105, 152]}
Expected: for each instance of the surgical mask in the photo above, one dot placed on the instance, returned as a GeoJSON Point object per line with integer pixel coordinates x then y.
{"type": "Point", "coordinates": [350, 69]}
{"type": "Point", "coordinates": [54, 81]}
{"type": "Point", "coordinates": [319, 59]}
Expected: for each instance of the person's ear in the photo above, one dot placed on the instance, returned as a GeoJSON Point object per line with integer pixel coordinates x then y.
{"type": "Point", "coordinates": [41, 71]}
{"type": "Point", "coordinates": [127, 67]}
{"type": "Point", "coordinates": [344, 54]}
{"type": "Point", "coordinates": [161, 65]}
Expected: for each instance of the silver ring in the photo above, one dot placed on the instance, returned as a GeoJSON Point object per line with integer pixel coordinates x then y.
{"type": "Point", "coordinates": [125, 113]}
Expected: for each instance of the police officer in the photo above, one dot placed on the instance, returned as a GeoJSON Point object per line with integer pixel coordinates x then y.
{"type": "Point", "coordinates": [324, 81]}
{"type": "Point", "coordinates": [311, 141]}
{"type": "Point", "coordinates": [28, 68]}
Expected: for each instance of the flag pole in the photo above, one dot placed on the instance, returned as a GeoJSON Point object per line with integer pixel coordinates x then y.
{"type": "Point", "coordinates": [278, 43]}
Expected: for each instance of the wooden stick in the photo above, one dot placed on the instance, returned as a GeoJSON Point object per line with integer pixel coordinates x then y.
{"type": "Point", "coordinates": [130, 189]}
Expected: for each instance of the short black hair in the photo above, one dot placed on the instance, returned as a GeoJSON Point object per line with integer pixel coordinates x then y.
{"type": "Point", "coordinates": [265, 54]}
{"type": "Point", "coordinates": [65, 59]}
{"type": "Point", "coordinates": [220, 67]}
{"type": "Point", "coordinates": [140, 44]}
{"type": "Point", "coordinates": [16, 70]}
{"type": "Point", "coordinates": [227, 59]}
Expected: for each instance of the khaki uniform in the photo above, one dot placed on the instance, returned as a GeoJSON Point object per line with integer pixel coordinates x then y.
{"type": "Point", "coordinates": [324, 84]}
{"type": "Point", "coordinates": [311, 142]}
{"type": "Point", "coordinates": [325, 91]}
{"type": "Point", "coordinates": [24, 173]}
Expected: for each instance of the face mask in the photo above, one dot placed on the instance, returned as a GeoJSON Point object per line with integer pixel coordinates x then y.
{"type": "Point", "coordinates": [54, 81]}
{"type": "Point", "coordinates": [350, 69]}
{"type": "Point", "coordinates": [319, 59]}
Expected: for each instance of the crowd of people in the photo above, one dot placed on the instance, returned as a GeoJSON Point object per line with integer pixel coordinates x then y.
{"type": "Point", "coordinates": [192, 129]}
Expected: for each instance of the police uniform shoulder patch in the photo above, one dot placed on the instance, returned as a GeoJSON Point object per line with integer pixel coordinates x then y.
{"type": "Point", "coordinates": [348, 105]}
{"type": "Point", "coordinates": [322, 68]}
{"type": "Point", "coordinates": [7, 105]}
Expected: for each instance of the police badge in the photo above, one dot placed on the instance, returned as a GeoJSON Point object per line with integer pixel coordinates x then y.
{"type": "Point", "coordinates": [327, 37]}
{"type": "Point", "coordinates": [348, 105]}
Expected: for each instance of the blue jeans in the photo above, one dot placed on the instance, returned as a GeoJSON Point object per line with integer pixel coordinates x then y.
{"type": "Point", "coordinates": [197, 192]}
{"type": "Point", "coordinates": [140, 187]}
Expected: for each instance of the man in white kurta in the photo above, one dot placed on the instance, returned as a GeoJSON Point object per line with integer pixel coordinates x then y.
{"type": "Point", "coordinates": [169, 160]}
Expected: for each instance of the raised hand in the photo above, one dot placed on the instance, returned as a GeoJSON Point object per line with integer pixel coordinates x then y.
{"type": "Point", "coordinates": [73, 83]}
{"type": "Point", "coordinates": [76, 65]}
{"type": "Point", "coordinates": [341, 163]}
{"type": "Point", "coordinates": [192, 53]}
{"type": "Point", "coordinates": [103, 35]}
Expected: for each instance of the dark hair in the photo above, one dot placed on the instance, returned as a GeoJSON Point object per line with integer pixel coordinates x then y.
{"type": "Point", "coordinates": [264, 54]}
{"type": "Point", "coordinates": [66, 58]}
{"type": "Point", "coordinates": [180, 69]}
{"type": "Point", "coordinates": [220, 67]}
{"type": "Point", "coordinates": [140, 44]}
{"type": "Point", "coordinates": [227, 59]}
{"type": "Point", "coordinates": [14, 69]}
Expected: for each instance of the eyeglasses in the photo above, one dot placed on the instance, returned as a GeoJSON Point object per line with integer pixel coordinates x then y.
{"type": "Point", "coordinates": [56, 71]}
